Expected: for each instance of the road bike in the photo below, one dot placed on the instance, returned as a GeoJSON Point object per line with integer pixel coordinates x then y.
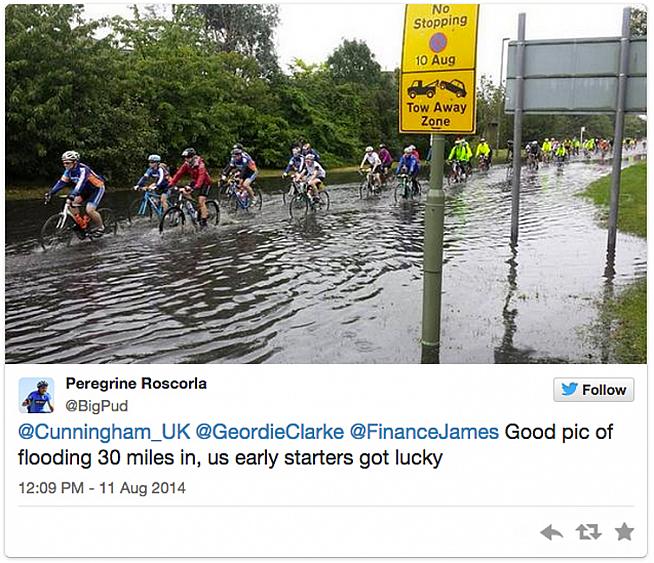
{"type": "Point", "coordinates": [301, 202]}
{"type": "Point", "coordinates": [457, 173]}
{"type": "Point", "coordinates": [369, 187]}
{"type": "Point", "coordinates": [237, 198]}
{"type": "Point", "coordinates": [532, 162]}
{"type": "Point", "coordinates": [185, 209]}
{"type": "Point", "coordinates": [484, 163]}
{"type": "Point", "coordinates": [404, 189]}
{"type": "Point", "coordinates": [59, 229]}
{"type": "Point", "coordinates": [146, 209]}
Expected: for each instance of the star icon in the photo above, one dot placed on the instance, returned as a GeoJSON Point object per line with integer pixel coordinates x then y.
{"type": "Point", "coordinates": [624, 532]}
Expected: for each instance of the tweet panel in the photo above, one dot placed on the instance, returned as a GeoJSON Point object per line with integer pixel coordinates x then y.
{"type": "Point", "coordinates": [298, 461]}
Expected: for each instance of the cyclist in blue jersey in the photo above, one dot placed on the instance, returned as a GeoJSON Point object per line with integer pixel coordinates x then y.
{"type": "Point", "coordinates": [306, 149]}
{"type": "Point", "coordinates": [295, 164]}
{"type": "Point", "coordinates": [89, 187]}
{"type": "Point", "coordinates": [409, 165]}
{"type": "Point", "coordinates": [158, 172]}
{"type": "Point", "coordinates": [247, 169]}
{"type": "Point", "coordinates": [36, 400]}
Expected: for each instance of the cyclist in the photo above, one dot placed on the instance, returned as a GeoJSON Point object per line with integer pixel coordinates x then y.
{"type": "Point", "coordinates": [415, 152]}
{"type": "Point", "coordinates": [546, 150]}
{"type": "Point", "coordinates": [307, 149]}
{"type": "Point", "coordinates": [159, 172]}
{"type": "Point", "coordinates": [247, 172]}
{"type": "Point", "coordinates": [560, 153]}
{"type": "Point", "coordinates": [509, 150]}
{"type": "Point", "coordinates": [36, 400]}
{"type": "Point", "coordinates": [386, 159]}
{"type": "Point", "coordinates": [533, 153]}
{"type": "Point", "coordinates": [313, 173]}
{"type": "Point", "coordinates": [462, 153]}
{"type": "Point", "coordinates": [89, 187]}
{"type": "Point", "coordinates": [409, 165]}
{"type": "Point", "coordinates": [374, 162]}
{"type": "Point", "coordinates": [200, 180]}
{"type": "Point", "coordinates": [295, 164]}
{"type": "Point", "coordinates": [483, 153]}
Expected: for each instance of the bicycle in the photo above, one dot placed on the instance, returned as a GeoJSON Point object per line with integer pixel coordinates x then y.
{"type": "Point", "coordinates": [404, 189]}
{"type": "Point", "coordinates": [147, 208]}
{"type": "Point", "coordinates": [484, 163]}
{"type": "Point", "coordinates": [301, 202]}
{"type": "Point", "coordinates": [238, 198]}
{"type": "Point", "coordinates": [532, 162]}
{"type": "Point", "coordinates": [456, 174]}
{"type": "Point", "coordinates": [174, 219]}
{"type": "Point", "coordinates": [368, 186]}
{"type": "Point", "coordinates": [59, 229]}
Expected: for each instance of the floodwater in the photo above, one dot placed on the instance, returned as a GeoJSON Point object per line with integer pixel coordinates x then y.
{"type": "Point", "coordinates": [341, 286]}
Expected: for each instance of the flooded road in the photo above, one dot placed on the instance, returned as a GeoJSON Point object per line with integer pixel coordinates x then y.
{"type": "Point", "coordinates": [344, 285]}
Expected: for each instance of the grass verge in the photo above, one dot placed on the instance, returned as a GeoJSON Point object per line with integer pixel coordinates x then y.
{"type": "Point", "coordinates": [628, 312]}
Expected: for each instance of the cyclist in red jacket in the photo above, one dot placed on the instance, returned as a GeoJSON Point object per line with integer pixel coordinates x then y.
{"type": "Point", "coordinates": [200, 180]}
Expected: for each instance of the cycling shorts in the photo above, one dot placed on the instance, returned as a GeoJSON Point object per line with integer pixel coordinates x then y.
{"type": "Point", "coordinates": [202, 190]}
{"type": "Point", "coordinates": [92, 195]}
{"type": "Point", "coordinates": [161, 190]}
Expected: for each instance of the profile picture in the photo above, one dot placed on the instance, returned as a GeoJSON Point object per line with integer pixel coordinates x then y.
{"type": "Point", "coordinates": [36, 395]}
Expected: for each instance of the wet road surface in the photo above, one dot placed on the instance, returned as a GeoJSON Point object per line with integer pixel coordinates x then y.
{"type": "Point", "coordinates": [340, 286]}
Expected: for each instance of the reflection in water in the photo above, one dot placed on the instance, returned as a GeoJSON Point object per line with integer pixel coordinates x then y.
{"type": "Point", "coordinates": [608, 295]}
{"type": "Point", "coordinates": [344, 285]}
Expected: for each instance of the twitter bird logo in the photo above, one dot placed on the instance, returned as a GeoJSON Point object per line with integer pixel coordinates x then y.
{"type": "Point", "coordinates": [569, 389]}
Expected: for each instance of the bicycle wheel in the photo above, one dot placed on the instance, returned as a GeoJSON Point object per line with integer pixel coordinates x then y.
{"type": "Point", "coordinates": [109, 221]}
{"type": "Point", "coordinates": [173, 220]}
{"type": "Point", "coordinates": [363, 189]}
{"type": "Point", "coordinates": [214, 212]}
{"type": "Point", "coordinates": [298, 206]}
{"type": "Point", "coordinates": [259, 201]}
{"type": "Point", "coordinates": [323, 203]}
{"type": "Point", "coordinates": [399, 190]}
{"type": "Point", "coordinates": [51, 236]}
{"type": "Point", "coordinates": [146, 217]}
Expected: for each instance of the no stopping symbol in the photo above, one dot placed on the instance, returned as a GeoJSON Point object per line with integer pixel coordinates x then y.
{"type": "Point", "coordinates": [438, 42]}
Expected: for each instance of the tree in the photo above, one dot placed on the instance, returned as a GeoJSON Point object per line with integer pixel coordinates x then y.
{"type": "Point", "coordinates": [242, 28]}
{"type": "Point", "coordinates": [638, 22]}
{"type": "Point", "coordinates": [353, 61]}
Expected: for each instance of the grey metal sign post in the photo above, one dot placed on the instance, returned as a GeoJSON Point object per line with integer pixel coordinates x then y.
{"type": "Point", "coordinates": [619, 131]}
{"type": "Point", "coordinates": [517, 130]}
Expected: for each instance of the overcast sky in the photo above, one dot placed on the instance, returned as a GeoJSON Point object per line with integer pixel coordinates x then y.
{"type": "Point", "coordinates": [312, 31]}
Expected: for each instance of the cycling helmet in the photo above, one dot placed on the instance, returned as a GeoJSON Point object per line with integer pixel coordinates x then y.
{"type": "Point", "coordinates": [237, 146]}
{"type": "Point", "coordinates": [42, 383]}
{"type": "Point", "coordinates": [237, 152]}
{"type": "Point", "coordinates": [546, 139]}
{"type": "Point", "coordinates": [382, 146]}
{"type": "Point", "coordinates": [369, 149]}
{"type": "Point", "coordinates": [482, 140]}
{"type": "Point", "coordinates": [70, 155]}
{"type": "Point", "coordinates": [310, 156]}
{"type": "Point", "coordinates": [408, 150]}
{"type": "Point", "coordinates": [189, 152]}
{"type": "Point", "coordinates": [154, 158]}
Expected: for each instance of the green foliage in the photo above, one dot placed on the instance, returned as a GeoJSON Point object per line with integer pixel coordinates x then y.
{"type": "Point", "coordinates": [247, 29]}
{"type": "Point", "coordinates": [638, 22]}
{"type": "Point", "coordinates": [160, 84]}
{"type": "Point", "coordinates": [629, 337]}
{"type": "Point", "coordinates": [353, 61]}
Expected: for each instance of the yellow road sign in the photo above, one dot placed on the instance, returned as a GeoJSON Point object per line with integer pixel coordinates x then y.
{"type": "Point", "coordinates": [440, 37]}
{"type": "Point", "coordinates": [438, 102]}
{"type": "Point", "coordinates": [439, 54]}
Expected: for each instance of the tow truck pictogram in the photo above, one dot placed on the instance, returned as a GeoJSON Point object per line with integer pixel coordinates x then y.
{"type": "Point", "coordinates": [417, 88]}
